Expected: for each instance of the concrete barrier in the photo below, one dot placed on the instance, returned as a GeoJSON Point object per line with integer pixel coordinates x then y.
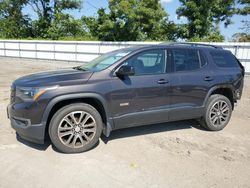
{"type": "Point", "coordinates": [84, 51]}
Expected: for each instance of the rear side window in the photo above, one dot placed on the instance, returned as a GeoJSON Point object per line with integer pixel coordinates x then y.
{"type": "Point", "coordinates": [224, 59]}
{"type": "Point", "coordinates": [187, 59]}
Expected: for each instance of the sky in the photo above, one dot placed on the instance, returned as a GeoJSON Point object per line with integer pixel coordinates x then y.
{"type": "Point", "coordinates": [90, 7]}
{"type": "Point", "coordinates": [171, 6]}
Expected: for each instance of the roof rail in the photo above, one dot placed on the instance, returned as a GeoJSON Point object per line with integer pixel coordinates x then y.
{"type": "Point", "coordinates": [193, 44]}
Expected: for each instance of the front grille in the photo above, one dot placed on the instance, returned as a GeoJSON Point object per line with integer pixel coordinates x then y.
{"type": "Point", "coordinates": [12, 94]}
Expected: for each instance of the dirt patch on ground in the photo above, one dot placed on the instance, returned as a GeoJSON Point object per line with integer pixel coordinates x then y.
{"type": "Point", "coordinates": [178, 154]}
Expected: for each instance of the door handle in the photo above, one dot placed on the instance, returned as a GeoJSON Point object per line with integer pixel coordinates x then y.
{"type": "Point", "coordinates": [208, 78]}
{"type": "Point", "coordinates": [162, 81]}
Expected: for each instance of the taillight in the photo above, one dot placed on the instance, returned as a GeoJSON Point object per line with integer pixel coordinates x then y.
{"type": "Point", "coordinates": [241, 66]}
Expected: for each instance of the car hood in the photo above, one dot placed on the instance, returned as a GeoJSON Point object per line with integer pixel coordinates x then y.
{"type": "Point", "coordinates": [50, 78]}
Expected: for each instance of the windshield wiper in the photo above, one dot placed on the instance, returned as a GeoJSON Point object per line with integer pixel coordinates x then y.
{"type": "Point", "coordinates": [79, 68]}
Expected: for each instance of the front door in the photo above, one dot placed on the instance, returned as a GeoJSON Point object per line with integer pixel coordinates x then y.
{"type": "Point", "coordinates": [142, 98]}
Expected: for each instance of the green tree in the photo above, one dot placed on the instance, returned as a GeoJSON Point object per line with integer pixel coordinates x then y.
{"type": "Point", "coordinates": [203, 16]}
{"type": "Point", "coordinates": [101, 27]}
{"type": "Point", "coordinates": [241, 37]}
{"type": "Point", "coordinates": [244, 10]}
{"type": "Point", "coordinates": [44, 11]}
{"type": "Point", "coordinates": [245, 35]}
{"type": "Point", "coordinates": [245, 7]}
{"type": "Point", "coordinates": [214, 36]}
{"type": "Point", "coordinates": [13, 23]}
{"type": "Point", "coordinates": [52, 18]}
{"type": "Point", "coordinates": [64, 25]}
{"type": "Point", "coordinates": [246, 26]}
{"type": "Point", "coordinates": [131, 20]}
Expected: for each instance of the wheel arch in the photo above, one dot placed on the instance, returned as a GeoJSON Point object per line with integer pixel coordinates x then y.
{"type": "Point", "coordinates": [95, 100]}
{"type": "Point", "coordinates": [225, 90]}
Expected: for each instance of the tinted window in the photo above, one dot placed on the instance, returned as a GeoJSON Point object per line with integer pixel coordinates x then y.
{"type": "Point", "coordinates": [224, 59]}
{"type": "Point", "coordinates": [187, 60]}
{"type": "Point", "coordinates": [203, 58]}
{"type": "Point", "coordinates": [149, 62]}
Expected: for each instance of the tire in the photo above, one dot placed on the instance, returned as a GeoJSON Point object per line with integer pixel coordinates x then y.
{"type": "Point", "coordinates": [217, 113]}
{"type": "Point", "coordinates": [75, 128]}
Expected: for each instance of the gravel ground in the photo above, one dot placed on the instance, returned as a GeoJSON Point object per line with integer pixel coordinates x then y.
{"type": "Point", "coordinates": [178, 154]}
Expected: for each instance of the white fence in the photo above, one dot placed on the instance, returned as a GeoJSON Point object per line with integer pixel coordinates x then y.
{"type": "Point", "coordinates": [86, 51]}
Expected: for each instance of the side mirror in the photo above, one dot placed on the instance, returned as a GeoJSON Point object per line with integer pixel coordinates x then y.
{"type": "Point", "coordinates": [125, 70]}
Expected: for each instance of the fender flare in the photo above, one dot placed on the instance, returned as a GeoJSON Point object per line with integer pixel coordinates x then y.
{"type": "Point", "coordinates": [222, 86]}
{"type": "Point", "coordinates": [109, 124]}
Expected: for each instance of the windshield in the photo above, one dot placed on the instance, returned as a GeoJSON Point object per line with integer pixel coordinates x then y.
{"type": "Point", "coordinates": [104, 61]}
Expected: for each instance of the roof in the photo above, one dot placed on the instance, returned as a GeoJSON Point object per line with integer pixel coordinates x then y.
{"type": "Point", "coordinates": [167, 45]}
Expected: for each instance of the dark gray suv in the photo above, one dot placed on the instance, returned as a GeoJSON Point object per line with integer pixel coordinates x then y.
{"type": "Point", "coordinates": [126, 88]}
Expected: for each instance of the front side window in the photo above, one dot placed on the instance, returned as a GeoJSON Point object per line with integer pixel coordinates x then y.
{"type": "Point", "coordinates": [148, 62]}
{"type": "Point", "coordinates": [187, 60]}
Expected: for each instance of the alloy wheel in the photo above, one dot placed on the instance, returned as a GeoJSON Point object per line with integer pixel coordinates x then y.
{"type": "Point", "coordinates": [219, 113]}
{"type": "Point", "coordinates": [77, 129]}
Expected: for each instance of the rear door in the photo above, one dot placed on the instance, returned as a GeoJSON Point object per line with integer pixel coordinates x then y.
{"type": "Point", "coordinates": [142, 98]}
{"type": "Point", "coordinates": [190, 82]}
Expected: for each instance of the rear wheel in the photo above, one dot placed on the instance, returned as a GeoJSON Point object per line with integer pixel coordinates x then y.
{"type": "Point", "coordinates": [75, 128]}
{"type": "Point", "coordinates": [217, 113]}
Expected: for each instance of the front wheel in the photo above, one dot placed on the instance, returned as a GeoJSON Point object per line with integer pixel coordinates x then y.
{"type": "Point", "coordinates": [75, 128]}
{"type": "Point", "coordinates": [217, 114]}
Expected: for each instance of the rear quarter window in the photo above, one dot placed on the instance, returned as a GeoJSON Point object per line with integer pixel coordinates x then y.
{"type": "Point", "coordinates": [224, 59]}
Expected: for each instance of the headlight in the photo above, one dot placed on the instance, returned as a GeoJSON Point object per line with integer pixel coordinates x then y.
{"type": "Point", "coordinates": [26, 93]}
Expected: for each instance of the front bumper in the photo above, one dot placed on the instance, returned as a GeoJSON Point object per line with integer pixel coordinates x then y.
{"type": "Point", "coordinates": [31, 132]}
